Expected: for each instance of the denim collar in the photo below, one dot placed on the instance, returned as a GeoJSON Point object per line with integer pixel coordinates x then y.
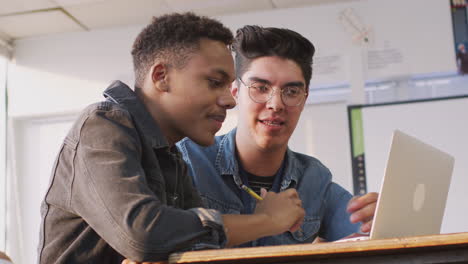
{"type": "Point", "coordinates": [119, 93]}
{"type": "Point", "coordinates": [226, 162]}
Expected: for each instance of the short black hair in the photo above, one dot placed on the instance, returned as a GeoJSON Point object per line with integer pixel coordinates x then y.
{"type": "Point", "coordinates": [174, 37]}
{"type": "Point", "coordinates": [252, 42]}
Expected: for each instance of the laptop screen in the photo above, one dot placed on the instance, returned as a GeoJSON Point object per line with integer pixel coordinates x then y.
{"type": "Point", "coordinates": [414, 189]}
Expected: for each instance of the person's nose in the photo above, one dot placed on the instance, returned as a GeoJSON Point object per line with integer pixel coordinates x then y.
{"type": "Point", "coordinates": [276, 103]}
{"type": "Point", "coordinates": [226, 100]}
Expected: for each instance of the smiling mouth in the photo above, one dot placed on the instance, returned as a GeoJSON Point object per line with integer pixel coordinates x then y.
{"type": "Point", "coordinates": [272, 123]}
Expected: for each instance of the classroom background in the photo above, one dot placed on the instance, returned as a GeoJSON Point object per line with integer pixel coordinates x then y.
{"type": "Point", "coordinates": [57, 56]}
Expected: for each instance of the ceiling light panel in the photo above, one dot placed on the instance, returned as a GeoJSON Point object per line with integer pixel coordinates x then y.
{"type": "Point", "coordinates": [33, 24]}
{"type": "Point", "coordinates": [219, 7]}
{"type": "Point", "coordinates": [76, 2]}
{"type": "Point", "coordinates": [298, 3]}
{"type": "Point", "coordinates": [17, 6]}
{"type": "Point", "coordinates": [109, 13]}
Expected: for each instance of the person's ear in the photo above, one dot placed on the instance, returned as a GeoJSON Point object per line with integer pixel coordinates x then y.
{"type": "Point", "coordinates": [235, 90]}
{"type": "Point", "coordinates": [159, 76]}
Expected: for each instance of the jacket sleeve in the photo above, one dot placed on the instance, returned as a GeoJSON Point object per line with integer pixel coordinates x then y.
{"type": "Point", "coordinates": [111, 194]}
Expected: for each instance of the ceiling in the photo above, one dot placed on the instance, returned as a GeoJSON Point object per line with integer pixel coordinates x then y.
{"type": "Point", "coordinates": [27, 18]}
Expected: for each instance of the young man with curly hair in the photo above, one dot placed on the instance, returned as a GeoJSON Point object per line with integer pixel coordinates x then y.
{"type": "Point", "coordinates": [273, 71]}
{"type": "Point", "coordinates": [119, 186]}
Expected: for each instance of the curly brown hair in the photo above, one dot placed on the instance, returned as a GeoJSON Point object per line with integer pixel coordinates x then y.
{"type": "Point", "coordinates": [173, 37]}
{"type": "Point", "coordinates": [253, 42]}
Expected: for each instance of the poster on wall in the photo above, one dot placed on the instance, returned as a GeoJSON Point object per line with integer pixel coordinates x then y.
{"type": "Point", "coordinates": [418, 42]}
{"type": "Point", "coordinates": [409, 41]}
{"type": "Point", "coordinates": [459, 12]}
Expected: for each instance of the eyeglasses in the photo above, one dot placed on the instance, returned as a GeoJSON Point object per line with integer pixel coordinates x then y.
{"type": "Point", "coordinates": [261, 93]}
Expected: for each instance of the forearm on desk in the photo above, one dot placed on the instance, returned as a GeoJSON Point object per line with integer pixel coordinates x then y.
{"type": "Point", "coordinates": [244, 228]}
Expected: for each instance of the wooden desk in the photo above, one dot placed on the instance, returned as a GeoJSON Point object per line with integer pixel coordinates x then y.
{"type": "Point", "coordinates": [447, 248]}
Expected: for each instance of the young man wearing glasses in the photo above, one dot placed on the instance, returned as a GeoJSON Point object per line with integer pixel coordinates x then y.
{"type": "Point", "coordinates": [273, 70]}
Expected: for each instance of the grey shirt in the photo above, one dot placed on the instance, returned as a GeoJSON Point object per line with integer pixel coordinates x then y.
{"type": "Point", "coordinates": [118, 190]}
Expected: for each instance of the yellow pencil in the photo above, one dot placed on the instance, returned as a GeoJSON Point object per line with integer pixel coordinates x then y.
{"type": "Point", "coordinates": [251, 192]}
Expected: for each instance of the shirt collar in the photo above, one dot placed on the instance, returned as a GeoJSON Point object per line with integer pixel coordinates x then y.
{"type": "Point", "coordinates": [119, 93]}
{"type": "Point", "coordinates": [226, 162]}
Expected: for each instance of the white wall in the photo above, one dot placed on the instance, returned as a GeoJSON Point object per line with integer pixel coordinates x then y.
{"type": "Point", "coordinates": [76, 67]}
{"type": "Point", "coordinates": [3, 122]}
{"type": "Point", "coordinates": [37, 142]}
{"type": "Point", "coordinates": [322, 132]}
{"type": "Point", "coordinates": [63, 73]}
{"type": "Point", "coordinates": [414, 29]}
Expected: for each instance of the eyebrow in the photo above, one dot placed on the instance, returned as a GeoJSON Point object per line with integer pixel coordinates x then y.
{"type": "Point", "coordinates": [293, 83]}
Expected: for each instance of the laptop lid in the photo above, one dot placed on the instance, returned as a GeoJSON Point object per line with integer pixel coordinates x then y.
{"type": "Point", "coordinates": [414, 189]}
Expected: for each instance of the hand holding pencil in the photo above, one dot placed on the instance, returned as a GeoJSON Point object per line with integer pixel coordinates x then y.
{"type": "Point", "coordinates": [251, 192]}
{"type": "Point", "coordinates": [284, 208]}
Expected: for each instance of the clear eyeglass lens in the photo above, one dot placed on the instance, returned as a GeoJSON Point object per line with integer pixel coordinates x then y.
{"type": "Point", "coordinates": [261, 93]}
{"type": "Point", "coordinates": [292, 96]}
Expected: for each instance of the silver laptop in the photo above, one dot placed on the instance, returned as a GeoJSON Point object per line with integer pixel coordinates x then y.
{"type": "Point", "coordinates": [414, 190]}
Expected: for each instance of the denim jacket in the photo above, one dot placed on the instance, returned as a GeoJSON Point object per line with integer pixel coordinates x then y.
{"type": "Point", "coordinates": [215, 173]}
{"type": "Point", "coordinates": [119, 190]}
